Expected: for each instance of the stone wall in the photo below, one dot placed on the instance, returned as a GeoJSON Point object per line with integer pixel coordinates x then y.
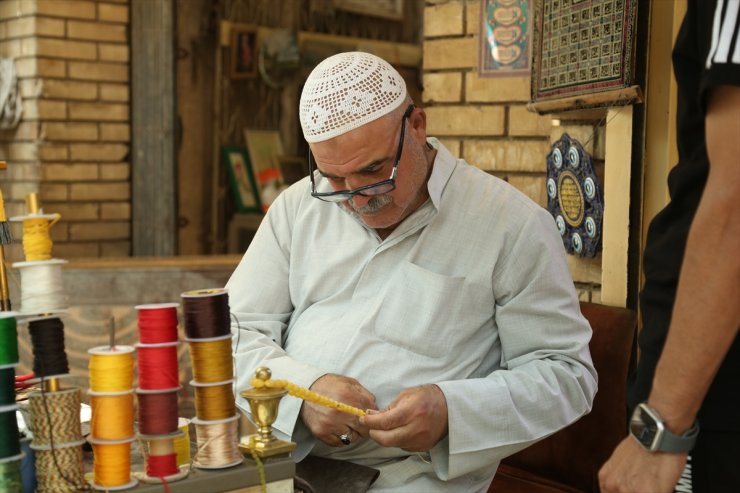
{"type": "Point", "coordinates": [72, 145]}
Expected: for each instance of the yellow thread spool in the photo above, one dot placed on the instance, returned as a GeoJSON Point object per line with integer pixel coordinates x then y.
{"type": "Point", "coordinates": [112, 415]}
{"type": "Point", "coordinates": [37, 243]}
{"type": "Point", "coordinates": [111, 369]}
{"type": "Point", "coordinates": [211, 359]}
{"type": "Point", "coordinates": [214, 401]}
{"type": "Point", "coordinates": [112, 463]}
{"type": "Point", "coordinates": [182, 443]}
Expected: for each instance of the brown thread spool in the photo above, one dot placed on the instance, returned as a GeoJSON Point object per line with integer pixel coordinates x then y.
{"type": "Point", "coordinates": [157, 411]}
{"type": "Point", "coordinates": [206, 313]}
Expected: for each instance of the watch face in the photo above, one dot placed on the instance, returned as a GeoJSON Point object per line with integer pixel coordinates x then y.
{"type": "Point", "coordinates": [645, 428]}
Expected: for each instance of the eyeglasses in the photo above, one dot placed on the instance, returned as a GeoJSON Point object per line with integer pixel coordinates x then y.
{"type": "Point", "coordinates": [379, 188]}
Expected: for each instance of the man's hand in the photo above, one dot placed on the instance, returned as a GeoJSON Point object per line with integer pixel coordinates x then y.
{"type": "Point", "coordinates": [415, 421]}
{"type": "Point", "coordinates": [632, 469]}
{"type": "Point", "coordinates": [328, 424]}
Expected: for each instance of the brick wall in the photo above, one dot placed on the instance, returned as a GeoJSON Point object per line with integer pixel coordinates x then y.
{"type": "Point", "coordinates": [72, 145]}
{"type": "Point", "coordinates": [484, 120]}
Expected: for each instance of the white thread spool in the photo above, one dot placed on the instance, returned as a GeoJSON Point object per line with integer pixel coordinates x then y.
{"type": "Point", "coordinates": [42, 287]}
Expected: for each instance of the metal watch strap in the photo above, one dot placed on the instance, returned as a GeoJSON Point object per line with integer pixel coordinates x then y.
{"type": "Point", "coordinates": [679, 443]}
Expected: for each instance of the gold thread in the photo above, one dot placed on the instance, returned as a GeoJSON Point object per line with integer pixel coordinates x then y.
{"type": "Point", "coordinates": [214, 402]}
{"type": "Point", "coordinates": [211, 361]}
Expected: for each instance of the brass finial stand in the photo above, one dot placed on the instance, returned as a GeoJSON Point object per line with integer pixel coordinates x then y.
{"type": "Point", "coordinates": [264, 402]}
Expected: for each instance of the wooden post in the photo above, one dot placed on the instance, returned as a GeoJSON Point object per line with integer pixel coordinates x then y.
{"type": "Point", "coordinates": [617, 172]}
{"type": "Point", "coordinates": [154, 198]}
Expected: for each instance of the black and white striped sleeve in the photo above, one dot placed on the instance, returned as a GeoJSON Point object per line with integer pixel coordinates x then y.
{"type": "Point", "coordinates": [722, 66]}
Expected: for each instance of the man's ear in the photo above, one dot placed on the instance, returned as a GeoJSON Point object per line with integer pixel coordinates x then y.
{"type": "Point", "coordinates": [418, 124]}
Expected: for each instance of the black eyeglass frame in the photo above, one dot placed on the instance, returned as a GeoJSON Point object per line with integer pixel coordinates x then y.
{"type": "Point", "coordinates": [371, 190]}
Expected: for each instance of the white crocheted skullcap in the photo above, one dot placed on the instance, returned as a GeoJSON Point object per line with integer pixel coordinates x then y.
{"type": "Point", "coordinates": [346, 91]}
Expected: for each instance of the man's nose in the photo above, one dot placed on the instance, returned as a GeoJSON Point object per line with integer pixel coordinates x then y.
{"type": "Point", "coordinates": [359, 200]}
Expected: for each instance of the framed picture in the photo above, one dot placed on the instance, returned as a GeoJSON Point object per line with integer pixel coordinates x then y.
{"type": "Point", "coordinates": [243, 53]}
{"type": "Point", "coordinates": [505, 38]}
{"type": "Point", "coordinates": [241, 178]}
{"type": "Point", "coordinates": [264, 147]}
{"type": "Point", "coordinates": [583, 48]}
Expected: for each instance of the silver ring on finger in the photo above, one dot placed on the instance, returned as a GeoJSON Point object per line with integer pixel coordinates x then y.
{"type": "Point", "coordinates": [346, 438]}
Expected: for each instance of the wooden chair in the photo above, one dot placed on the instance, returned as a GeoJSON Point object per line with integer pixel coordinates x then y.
{"type": "Point", "coordinates": [569, 460]}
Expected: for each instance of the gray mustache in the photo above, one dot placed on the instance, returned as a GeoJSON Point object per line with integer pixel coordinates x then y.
{"type": "Point", "coordinates": [373, 205]}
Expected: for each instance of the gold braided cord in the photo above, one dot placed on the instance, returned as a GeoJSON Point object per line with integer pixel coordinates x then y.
{"type": "Point", "coordinates": [62, 424]}
{"type": "Point", "coordinates": [60, 470]}
{"type": "Point", "coordinates": [306, 395]}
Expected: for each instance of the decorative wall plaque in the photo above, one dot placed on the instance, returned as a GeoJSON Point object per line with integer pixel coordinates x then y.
{"type": "Point", "coordinates": [574, 197]}
{"type": "Point", "coordinates": [582, 47]}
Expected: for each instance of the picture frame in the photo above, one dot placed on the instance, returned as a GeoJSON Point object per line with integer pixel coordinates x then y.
{"type": "Point", "coordinates": [505, 38]}
{"type": "Point", "coordinates": [570, 64]}
{"type": "Point", "coordinates": [241, 178]}
{"type": "Point", "coordinates": [264, 147]}
{"type": "Point", "coordinates": [243, 53]}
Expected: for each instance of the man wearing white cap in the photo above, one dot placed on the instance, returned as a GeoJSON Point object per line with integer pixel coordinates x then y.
{"type": "Point", "coordinates": [417, 287]}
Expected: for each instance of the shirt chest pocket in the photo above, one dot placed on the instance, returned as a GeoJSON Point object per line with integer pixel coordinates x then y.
{"type": "Point", "coordinates": [419, 311]}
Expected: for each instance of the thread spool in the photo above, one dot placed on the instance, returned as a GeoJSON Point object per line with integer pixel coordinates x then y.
{"type": "Point", "coordinates": [7, 386]}
{"type": "Point", "coordinates": [182, 443]}
{"type": "Point", "coordinates": [206, 313]}
{"type": "Point", "coordinates": [42, 287]}
{"type": "Point", "coordinates": [214, 401]}
{"type": "Point", "coordinates": [55, 416]}
{"type": "Point", "coordinates": [8, 339]}
{"type": "Point", "coordinates": [47, 341]}
{"type": "Point", "coordinates": [10, 474]}
{"type": "Point", "coordinates": [112, 464]}
{"type": "Point", "coordinates": [211, 359]}
{"type": "Point", "coordinates": [217, 443]}
{"type": "Point", "coordinates": [157, 365]}
{"type": "Point", "coordinates": [112, 415]}
{"type": "Point", "coordinates": [111, 369]}
{"type": "Point", "coordinates": [59, 469]}
{"type": "Point", "coordinates": [37, 244]}
{"type": "Point", "coordinates": [157, 323]}
{"type": "Point", "coordinates": [161, 461]}
{"type": "Point", "coordinates": [10, 445]}
{"type": "Point", "coordinates": [157, 411]}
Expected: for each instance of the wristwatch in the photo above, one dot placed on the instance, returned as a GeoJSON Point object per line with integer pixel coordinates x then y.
{"type": "Point", "coordinates": [648, 428]}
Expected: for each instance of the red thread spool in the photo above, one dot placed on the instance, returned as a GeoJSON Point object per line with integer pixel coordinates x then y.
{"type": "Point", "coordinates": [157, 365]}
{"type": "Point", "coordinates": [159, 466]}
{"type": "Point", "coordinates": [157, 323]}
{"type": "Point", "coordinates": [157, 412]}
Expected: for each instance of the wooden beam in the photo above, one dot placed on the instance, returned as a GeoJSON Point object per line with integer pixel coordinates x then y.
{"type": "Point", "coordinates": [615, 97]}
{"type": "Point", "coordinates": [397, 54]}
{"type": "Point", "coordinates": [617, 172]}
{"type": "Point", "coordinates": [154, 177]}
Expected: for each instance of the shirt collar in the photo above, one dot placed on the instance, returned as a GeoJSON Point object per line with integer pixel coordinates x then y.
{"type": "Point", "coordinates": [442, 168]}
